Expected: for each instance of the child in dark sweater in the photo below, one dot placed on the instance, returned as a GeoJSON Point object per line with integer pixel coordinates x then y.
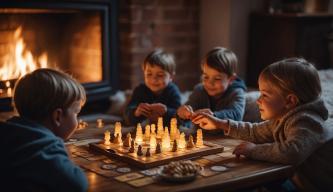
{"type": "Point", "coordinates": [221, 92]}
{"type": "Point", "coordinates": [34, 157]}
{"type": "Point", "coordinates": [158, 96]}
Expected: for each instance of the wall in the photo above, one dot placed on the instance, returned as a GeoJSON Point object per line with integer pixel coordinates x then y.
{"type": "Point", "coordinates": [225, 23]}
{"type": "Point", "coordinates": [147, 24]}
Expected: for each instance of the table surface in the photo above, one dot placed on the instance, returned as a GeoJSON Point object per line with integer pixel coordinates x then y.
{"type": "Point", "coordinates": [246, 174]}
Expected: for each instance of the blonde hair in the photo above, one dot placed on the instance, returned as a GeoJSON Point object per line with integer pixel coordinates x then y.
{"type": "Point", "coordinates": [39, 93]}
{"type": "Point", "coordinates": [162, 59]}
{"type": "Point", "coordinates": [222, 60]}
{"type": "Point", "coordinates": [294, 75]}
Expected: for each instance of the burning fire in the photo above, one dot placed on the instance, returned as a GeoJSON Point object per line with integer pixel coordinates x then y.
{"type": "Point", "coordinates": [20, 61]}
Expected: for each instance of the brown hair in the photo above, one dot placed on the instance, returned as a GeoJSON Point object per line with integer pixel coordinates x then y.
{"type": "Point", "coordinates": [39, 93]}
{"type": "Point", "coordinates": [221, 59]}
{"type": "Point", "coordinates": [162, 59]}
{"type": "Point", "coordinates": [294, 75]}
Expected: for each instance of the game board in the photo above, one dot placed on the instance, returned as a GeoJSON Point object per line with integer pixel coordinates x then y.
{"type": "Point", "coordinates": [122, 153]}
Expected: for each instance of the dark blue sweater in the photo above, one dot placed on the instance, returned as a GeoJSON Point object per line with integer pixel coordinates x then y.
{"type": "Point", "coordinates": [33, 158]}
{"type": "Point", "coordinates": [170, 97]}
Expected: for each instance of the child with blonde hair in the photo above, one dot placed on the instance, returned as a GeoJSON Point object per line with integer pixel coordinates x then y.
{"type": "Point", "coordinates": [295, 131]}
{"type": "Point", "coordinates": [34, 157]}
{"type": "Point", "coordinates": [221, 92]}
{"type": "Point", "coordinates": [158, 96]}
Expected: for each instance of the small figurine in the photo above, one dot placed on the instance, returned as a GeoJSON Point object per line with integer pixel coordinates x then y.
{"type": "Point", "coordinates": [190, 143]}
{"type": "Point", "coordinates": [148, 152]}
{"type": "Point", "coordinates": [139, 152]}
{"type": "Point", "coordinates": [118, 140]}
{"type": "Point", "coordinates": [174, 146]}
{"type": "Point", "coordinates": [158, 148]}
{"type": "Point", "coordinates": [131, 150]}
{"type": "Point", "coordinates": [128, 140]}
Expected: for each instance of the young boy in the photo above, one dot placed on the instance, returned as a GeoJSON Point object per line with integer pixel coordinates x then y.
{"type": "Point", "coordinates": [221, 92]}
{"type": "Point", "coordinates": [33, 153]}
{"type": "Point", "coordinates": [158, 96]}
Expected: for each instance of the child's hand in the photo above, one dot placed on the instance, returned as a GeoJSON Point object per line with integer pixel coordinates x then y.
{"type": "Point", "coordinates": [143, 109]}
{"type": "Point", "coordinates": [209, 122]}
{"type": "Point", "coordinates": [185, 112]}
{"type": "Point", "coordinates": [158, 108]}
{"type": "Point", "coordinates": [243, 149]}
{"type": "Point", "coordinates": [206, 110]}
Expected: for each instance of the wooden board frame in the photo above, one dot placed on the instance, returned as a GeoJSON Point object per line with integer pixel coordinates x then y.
{"type": "Point", "coordinates": [143, 162]}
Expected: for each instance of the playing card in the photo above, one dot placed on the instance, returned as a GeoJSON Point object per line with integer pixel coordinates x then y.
{"type": "Point", "coordinates": [141, 182]}
{"type": "Point", "coordinates": [128, 177]}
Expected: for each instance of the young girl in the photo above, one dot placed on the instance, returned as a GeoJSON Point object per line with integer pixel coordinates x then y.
{"type": "Point", "coordinates": [294, 132]}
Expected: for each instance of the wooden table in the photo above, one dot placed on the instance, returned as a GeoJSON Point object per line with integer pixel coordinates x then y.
{"type": "Point", "coordinates": [249, 173]}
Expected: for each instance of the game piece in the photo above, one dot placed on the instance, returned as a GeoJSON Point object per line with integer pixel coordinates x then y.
{"type": "Point", "coordinates": [152, 141]}
{"type": "Point", "coordinates": [128, 140]}
{"type": "Point", "coordinates": [139, 152]}
{"type": "Point", "coordinates": [152, 129]}
{"type": "Point", "coordinates": [160, 130]}
{"type": "Point", "coordinates": [99, 123]}
{"type": "Point", "coordinates": [108, 166]}
{"type": "Point", "coordinates": [117, 129]}
{"type": "Point", "coordinates": [158, 148]}
{"type": "Point", "coordinates": [181, 141]}
{"type": "Point", "coordinates": [166, 139]}
{"type": "Point", "coordinates": [174, 146]}
{"type": "Point", "coordinates": [173, 129]}
{"type": "Point", "coordinates": [107, 137]}
{"type": "Point", "coordinates": [218, 168]}
{"type": "Point", "coordinates": [124, 169]}
{"type": "Point", "coordinates": [131, 150]}
{"type": "Point", "coordinates": [199, 142]}
{"type": "Point", "coordinates": [190, 143]}
{"type": "Point", "coordinates": [148, 152]}
{"type": "Point", "coordinates": [147, 132]}
{"type": "Point", "coordinates": [138, 135]}
{"type": "Point", "coordinates": [118, 140]}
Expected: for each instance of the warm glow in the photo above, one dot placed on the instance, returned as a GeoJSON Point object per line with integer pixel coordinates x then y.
{"type": "Point", "coordinates": [117, 129]}
{"type": "Point", "coordinates": [166, 139]}
{"type": "Point", "coordinates": [19, 60]}
{"type": "Point", "coordinates": [107, 137]}
{"type": "Point", "coordinates": [181, 141]}
{"type": "Point", "coordinates": [138, 135]}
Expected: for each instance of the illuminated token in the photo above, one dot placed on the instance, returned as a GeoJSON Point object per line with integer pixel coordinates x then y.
{"type": "Point", "coordinates": [108, 166]}
{"type": "Point", "coordinates": [124, 169]}
{"type": "Point", "coordinates": [218, 168]}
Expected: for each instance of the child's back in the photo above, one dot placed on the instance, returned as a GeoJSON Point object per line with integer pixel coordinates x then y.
{"type": "Point", "coordinates": [34, 157]}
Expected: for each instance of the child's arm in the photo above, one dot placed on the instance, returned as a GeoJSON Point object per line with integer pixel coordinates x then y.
{"type": "Point", "coordinates": [235, 110]}
{"type": "Point", "coordinates": [253, 132]}
{"type": "Point", "coordinates": [185, 112]}
{"type": "Point", "coordinates": [173, 101]}
{"type": "Point", "coordinates": [136, 99]}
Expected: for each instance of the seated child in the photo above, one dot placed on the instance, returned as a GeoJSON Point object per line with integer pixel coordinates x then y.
{"type": "Point", "coordinates": [295, 129]}
{"type": "Point", "coordinates": [158, 96]}
{"type": "Point", "coordinates": [221, 92]}
{"type": "Point", "coordinates": [34, 157]}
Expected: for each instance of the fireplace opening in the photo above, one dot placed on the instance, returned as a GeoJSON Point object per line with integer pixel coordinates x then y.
{"type": "Point", "coordinates": [76, 37]}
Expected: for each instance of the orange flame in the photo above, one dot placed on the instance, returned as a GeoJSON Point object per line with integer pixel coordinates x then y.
{"type": "Point", "coordinates": [20, 61]}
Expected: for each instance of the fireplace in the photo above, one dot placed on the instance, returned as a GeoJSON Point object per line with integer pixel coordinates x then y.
{"type": "Point", "coordinates": [78, 37]}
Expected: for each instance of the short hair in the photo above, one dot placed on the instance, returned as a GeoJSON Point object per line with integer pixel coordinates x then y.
{"type": "Point", "coordinates": [294, 75]}
{"type": "Point", "coordinates": [162, 59]}
{"type": "Point", "coordinates": [39, 93]}
{"type": "Point", "coordinates": [222, 60]}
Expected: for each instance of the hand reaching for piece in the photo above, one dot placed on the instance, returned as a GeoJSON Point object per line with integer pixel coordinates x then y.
{"type": "Point", "coordinates": [185, 112]}
{"type": "Point", "coordinates": [158, 108]}
{"type": "Point", "coordinates": [209, 122]}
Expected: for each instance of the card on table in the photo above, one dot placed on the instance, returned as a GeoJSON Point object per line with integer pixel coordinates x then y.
{"type": "Point", "coordinates": [128, 177]}
{"type": "Point", "coordinates": [141, 182]}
